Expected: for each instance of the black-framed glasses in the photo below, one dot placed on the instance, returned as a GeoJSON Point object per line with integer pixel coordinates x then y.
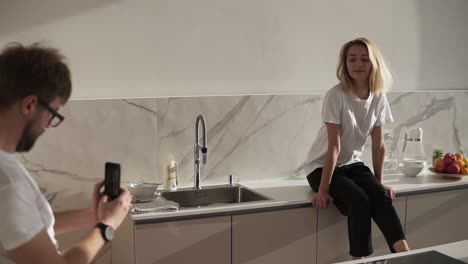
{"type": "Point", "coordinates": [56, 118]}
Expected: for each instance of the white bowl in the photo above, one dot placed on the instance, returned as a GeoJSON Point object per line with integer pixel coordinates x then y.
{"type": "Point", "coordinates": [142, 190]}
{"type": "Point", "coordinates": [413, 168]}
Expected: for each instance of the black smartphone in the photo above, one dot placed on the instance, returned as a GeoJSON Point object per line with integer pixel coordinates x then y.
{"type": "Point", "coordinates": [112, 180]}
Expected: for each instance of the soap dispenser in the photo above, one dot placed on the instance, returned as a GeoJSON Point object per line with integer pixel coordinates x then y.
{"type": "Point", "coordinates": [172, 180]}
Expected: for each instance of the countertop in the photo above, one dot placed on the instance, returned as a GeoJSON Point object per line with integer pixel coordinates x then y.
{"type": "Point", "coordinates": [296, 193]}
{"type": "Point", "coordinates": [457, 250]}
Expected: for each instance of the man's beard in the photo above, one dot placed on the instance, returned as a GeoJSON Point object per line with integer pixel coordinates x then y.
{"type": "Point", "coordinates": [27, 139]}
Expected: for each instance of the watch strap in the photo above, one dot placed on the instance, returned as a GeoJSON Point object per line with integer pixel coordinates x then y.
{"type": "Point", "coordinates": [102, 229]}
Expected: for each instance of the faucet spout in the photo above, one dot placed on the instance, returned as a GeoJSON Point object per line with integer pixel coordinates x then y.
{"type": "Point", "coordinates": [199, 148]}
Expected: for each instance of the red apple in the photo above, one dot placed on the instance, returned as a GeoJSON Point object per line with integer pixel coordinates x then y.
{"type": "Point", "coordinates": [442, 168]}
{"type": "Point", "coordinates": [449, 158]}
{"type": "Point", "coordinates": [453, 168]}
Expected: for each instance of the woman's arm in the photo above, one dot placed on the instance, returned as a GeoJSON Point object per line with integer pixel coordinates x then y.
{"type": "Point", "coordinates": [323, 199]}
{"type": "Point", "coordinates": [378, 152]}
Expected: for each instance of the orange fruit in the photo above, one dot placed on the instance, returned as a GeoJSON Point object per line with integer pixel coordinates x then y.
{"type": "Point", "coordinates": [459, 156]}
{"type": "Point", "coordinates": [460, 163]}
{"type": "Point", "coordinates": [463, 170]}
{"type": "Point", "coordinates": [438, 163]}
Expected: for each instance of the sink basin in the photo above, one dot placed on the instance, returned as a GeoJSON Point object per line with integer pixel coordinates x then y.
{"type": "Point", "coordinates": [213, 195]}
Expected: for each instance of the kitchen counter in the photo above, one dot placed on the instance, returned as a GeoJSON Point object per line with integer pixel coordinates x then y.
{"type": "Point", "coordinates": [296, 193]}
{"type": "Point", "coordinates": [457, 250]}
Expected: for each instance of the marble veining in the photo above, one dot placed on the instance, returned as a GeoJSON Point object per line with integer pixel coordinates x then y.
{"type": "Point", "coordinates": [253, 137]}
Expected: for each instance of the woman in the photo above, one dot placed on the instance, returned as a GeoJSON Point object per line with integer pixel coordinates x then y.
{"type": "Point", "coordinates": [352, 110]}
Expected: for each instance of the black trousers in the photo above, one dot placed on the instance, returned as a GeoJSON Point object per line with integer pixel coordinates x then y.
{"type": "Point", "coordinates": [361, 197]}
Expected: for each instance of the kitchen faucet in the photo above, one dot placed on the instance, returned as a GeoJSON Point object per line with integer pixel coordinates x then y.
{"type": "Point", "coordinates": [197, 149]}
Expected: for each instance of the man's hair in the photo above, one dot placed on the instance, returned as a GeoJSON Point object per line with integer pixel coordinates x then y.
{"type": "Point", "coordinates": [32, 70]}
{"type": "Point", "coordinates": [380, 79]}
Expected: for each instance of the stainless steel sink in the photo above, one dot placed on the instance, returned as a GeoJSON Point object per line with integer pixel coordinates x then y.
{"type": "Point", "coordinates": [213, 195]}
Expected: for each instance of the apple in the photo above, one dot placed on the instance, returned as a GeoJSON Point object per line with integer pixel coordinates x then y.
{"type": "Point", "coordinates": [442, 168]}
{"type": "Point", "coordinates": [449, 158]}
{"type": "Point", "coordinates": [453, 168]}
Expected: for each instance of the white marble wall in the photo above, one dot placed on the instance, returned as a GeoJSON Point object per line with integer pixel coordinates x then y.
{"type": "Point", "coordinates": [251, 137]}
{"type": "Point", "coordinates": [66, 161]}
{"type": "Point", "coordinates": [268, 136]}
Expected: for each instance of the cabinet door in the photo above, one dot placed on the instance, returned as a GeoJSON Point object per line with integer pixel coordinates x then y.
{"type": "Point", "coordinates": [287, 236]}
{"type": "Point", "coordinates": [333, 245]}
{"type": "Point", "coordinates": [437, 218]}
{"type": "Point", "coordinates": [206, 240]}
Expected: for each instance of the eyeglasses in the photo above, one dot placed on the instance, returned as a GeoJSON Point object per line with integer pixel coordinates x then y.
{"type": "Point", "coordinates": [56, 118]}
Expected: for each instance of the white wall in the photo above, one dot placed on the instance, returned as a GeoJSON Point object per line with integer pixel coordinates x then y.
{"type": "Point", "coordinates": [141, 48]}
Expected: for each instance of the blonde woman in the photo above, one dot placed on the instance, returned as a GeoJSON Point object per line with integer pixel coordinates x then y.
{"type": "Point", "coordinates": [353, 110]}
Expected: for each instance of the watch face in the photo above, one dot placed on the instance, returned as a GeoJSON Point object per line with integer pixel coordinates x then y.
{"type": "Point", "coordinates": [109, 233]}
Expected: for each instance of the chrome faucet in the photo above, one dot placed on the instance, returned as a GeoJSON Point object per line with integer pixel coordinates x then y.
{"type": "Point", "coordinates": [197, 148]}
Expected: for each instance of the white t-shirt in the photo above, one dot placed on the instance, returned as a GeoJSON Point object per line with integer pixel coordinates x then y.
{"type": "Point", "coordinates": [25, 211]}
{"type": "Point", "coordinates": [356, 117]}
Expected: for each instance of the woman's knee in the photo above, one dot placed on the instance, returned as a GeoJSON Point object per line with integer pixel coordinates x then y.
{"type": "Point", "coordinates": [380, 196]}
{"type": "Point", "coordinates": [360, 200]}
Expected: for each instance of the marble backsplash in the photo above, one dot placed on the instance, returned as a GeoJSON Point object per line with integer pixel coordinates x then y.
{"type": "Point", "coordinates": [251, 137]}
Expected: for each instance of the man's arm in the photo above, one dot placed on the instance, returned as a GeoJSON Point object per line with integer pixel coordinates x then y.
{"type": "Point", "coordinates": [40, 250]}
{"type": "Point", "coordinates": [70, 221]}
{"type": "Point", "coordinates": [74, 220]}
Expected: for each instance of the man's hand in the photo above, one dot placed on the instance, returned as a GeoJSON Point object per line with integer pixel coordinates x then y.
{"type": "Point", "coordinates": [113, 212]}
{"type": "Point", "coordinates": [322, 200]}
{"type": "Point", "coordinates": [97, 195]}
{"type": "Point", "coordinates": [390, 191]}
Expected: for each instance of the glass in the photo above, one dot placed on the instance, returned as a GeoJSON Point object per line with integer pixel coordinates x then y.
{"type": "Point", "coordinates": [413, 149]}
{"type": "Point", "coordinates": [56, 118]}
{"type": "Point", "coordinates": [391, 151]}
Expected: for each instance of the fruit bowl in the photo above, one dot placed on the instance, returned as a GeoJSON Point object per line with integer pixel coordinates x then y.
{"type": "Point", "coordinates": [447, 175]}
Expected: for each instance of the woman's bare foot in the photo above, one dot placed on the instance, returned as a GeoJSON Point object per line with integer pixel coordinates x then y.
{"type": "Point", "coordinates": [401, 246]}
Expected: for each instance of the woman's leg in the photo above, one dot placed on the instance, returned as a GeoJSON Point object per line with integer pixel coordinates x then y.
{"type": "Point", "coordinates": [382, 210]}
{"type": "Point", "coordinates": [401, 246]}
{"type": "Point", "coordinates": [353, 202]}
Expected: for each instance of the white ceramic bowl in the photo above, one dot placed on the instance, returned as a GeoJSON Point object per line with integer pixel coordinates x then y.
{"type": "Point", "coordinates": [142, 190]}
{"type": "Point", "coordinates": [413, 168]}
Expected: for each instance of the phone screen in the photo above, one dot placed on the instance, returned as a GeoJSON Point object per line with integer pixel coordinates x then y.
{"type": "Point", "coordinates": [112, 180]}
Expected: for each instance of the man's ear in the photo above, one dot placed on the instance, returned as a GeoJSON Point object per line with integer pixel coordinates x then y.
{"type": "Point", "coordinates": [28, 104]}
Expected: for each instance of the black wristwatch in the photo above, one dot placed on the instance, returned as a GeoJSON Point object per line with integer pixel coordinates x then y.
{"type": "Point", "coordinates": [107, 232]}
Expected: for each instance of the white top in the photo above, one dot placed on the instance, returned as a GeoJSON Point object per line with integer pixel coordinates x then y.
{"type": "Point", "coordinates": [356, 117]}
{"type": "Point", "coordinates": [25, 211]}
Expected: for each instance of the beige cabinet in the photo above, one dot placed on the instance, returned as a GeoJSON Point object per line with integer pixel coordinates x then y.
{"type": "Point", "coordinates": [287, 236]}
{"type": "Point", "coordinates": [333, 244]}
{"type": "Point", "coordinates": [205, 240]}
{"type": "Point", "coordinates": [437, 218]}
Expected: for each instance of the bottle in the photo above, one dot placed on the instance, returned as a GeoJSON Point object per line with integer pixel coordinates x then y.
{"type": "Point", "coordinates": [172, 180]}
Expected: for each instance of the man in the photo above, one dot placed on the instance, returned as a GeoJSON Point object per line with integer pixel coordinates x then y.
{"type": "Point", "coordinates": [34, 83]}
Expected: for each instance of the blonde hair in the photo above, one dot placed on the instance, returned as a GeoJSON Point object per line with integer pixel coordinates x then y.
{"type": "Point", "coordinates": [380, 79]}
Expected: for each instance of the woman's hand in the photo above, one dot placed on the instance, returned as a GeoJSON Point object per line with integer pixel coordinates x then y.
{"type": "Point", "coordinates": [322, 200]}
{"type": "Point", "coordinates": [390, 191]}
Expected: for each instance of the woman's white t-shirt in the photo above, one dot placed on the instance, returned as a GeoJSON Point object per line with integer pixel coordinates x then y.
{"type": "Point", "coordinates": [356, 117]}
{"type": "Point", "coordinates": [25, 211]}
